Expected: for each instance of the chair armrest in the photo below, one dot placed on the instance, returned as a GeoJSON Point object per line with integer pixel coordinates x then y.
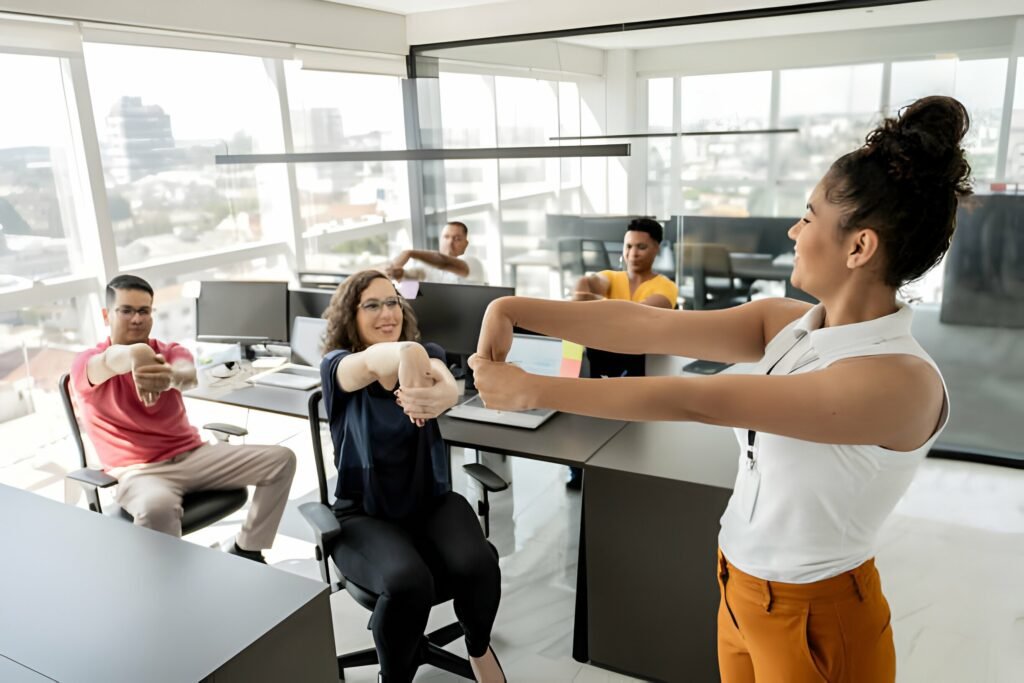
{"type": "Point", "coordinates": [92, 477]}
{"type": "Point", "coordinates": [230, 430]}
{"type": "Point", "coordinates": [486, 476]}
{"type": "Point", "coordinates": [321, 518]}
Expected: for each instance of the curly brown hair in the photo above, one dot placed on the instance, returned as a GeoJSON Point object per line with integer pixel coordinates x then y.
{"type": "Point", "coordinates": [342, 330]}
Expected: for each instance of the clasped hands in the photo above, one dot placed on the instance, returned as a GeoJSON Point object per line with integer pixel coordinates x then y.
{"type": "Point", "coordinates": [426, 403]}
{"type": "Point", "coordinates": [152, 374]}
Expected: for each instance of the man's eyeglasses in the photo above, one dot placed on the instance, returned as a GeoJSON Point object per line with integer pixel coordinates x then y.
{"type": "Point", "coordinates": [127, 312]}
{"type": "Point", "coordinates": [374, 306]}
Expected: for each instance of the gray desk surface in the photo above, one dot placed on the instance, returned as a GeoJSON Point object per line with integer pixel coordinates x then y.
{"type": "Point", "coordinates": [681, 451]}
{"type": "Point", "coordinates": [566, 439]}
{"type": "Point", "coordinates": [88, 598]}
{"type": "Point", "coordinates": [271, 399]}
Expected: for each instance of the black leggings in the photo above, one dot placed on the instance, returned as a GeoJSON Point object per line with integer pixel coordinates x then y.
{"type": "Point", "coordinates": [407, 562]}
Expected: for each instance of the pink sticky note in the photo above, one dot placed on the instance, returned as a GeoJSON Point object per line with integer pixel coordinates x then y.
{"type": "Point", "coordinates": [570, 368]}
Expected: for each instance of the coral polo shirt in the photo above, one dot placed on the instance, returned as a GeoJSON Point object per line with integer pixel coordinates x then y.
{"type": "Point", "coordinates": [122, 429]}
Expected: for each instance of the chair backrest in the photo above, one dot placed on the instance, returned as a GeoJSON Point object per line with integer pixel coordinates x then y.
{"type": "Point", "coordinates": [704, 261]}
{"type": "Point", "coordinates": [580, 255]}
{"type": "Point", "coordinates": [313, 412]}
{"type": "Point", "coordinates": [64, 386]}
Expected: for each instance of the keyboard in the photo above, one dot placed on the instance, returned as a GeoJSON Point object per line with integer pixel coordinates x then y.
{"type": "Point", "coordinates": [290, 377]}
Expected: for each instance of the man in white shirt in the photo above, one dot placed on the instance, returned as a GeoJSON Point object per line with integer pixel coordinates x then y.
{"type": "Point", "coordinates": [448, 264]}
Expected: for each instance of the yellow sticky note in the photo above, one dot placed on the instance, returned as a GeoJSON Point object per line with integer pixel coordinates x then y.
{"type": "Point", "coordinates": [572, 351]}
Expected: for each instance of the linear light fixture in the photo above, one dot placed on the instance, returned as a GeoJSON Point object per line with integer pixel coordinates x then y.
{"type": "Point", "coordinates": [762, 131]}
{"type": "Point", "coordinates": [609, 150]}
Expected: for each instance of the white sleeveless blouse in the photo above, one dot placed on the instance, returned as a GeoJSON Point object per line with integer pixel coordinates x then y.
{"type": "Point", "coordinates": [818, 508]}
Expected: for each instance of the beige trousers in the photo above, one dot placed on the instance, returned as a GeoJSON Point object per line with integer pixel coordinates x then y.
{"type": "Point", "coordinates": [152, 492]}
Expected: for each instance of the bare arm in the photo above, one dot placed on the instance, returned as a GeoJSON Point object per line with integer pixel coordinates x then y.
{"type": "Point", "coordinates": [117, 359]}
{"type": "Point", "coordinates": [732, 335]}
{"type": "Point", "coordinates": [382, 363]}
{"type": "Point", "coordinates": [591, 288]}
{"type": "Point", "coordinates": [891, 401]}
{"type": "Point", "coordinates": [150, 371]}
{"type": "Point", "coordinates": [658, 301]}
{"type": "Point", "coordinates": [433, 258]}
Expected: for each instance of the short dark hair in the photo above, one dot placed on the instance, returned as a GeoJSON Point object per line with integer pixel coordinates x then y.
{"type": "Point", "coordinates": [648, 225]}
{"type": "Point", "coordinates": [905, 183]}
{"type": "Point", "coordinates": [126, 282]}
{"type": "Point", "coordinates": [465, 230]}
{"type": "Point", "coordinates": [342, 330]}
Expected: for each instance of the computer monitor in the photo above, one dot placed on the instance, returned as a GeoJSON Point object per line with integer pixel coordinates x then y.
{"type": "Point", "coordinates": [450, 315]}
{"type": "Point", "coordinates": [984, 276]}
{"type": "Point", "coordinates": [244, 312]}
{"type": "Point", "coordinates": [307, 303]}
{"type": "Point", "coordinates": [307, 341]}
{"type": "Point", "coordinates": [744, 235]}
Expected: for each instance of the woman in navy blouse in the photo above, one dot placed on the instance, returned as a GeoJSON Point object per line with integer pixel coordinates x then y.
{"type": "Point", "coordinates": [403, 530]}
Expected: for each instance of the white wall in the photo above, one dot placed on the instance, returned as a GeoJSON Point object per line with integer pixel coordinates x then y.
{"type": "Point", "coordinates": [303, 22]}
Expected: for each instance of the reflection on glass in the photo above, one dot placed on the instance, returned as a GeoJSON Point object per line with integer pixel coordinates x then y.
{"type": "Point", "coordinates": [161, 117]}
{"type": "Point", "coordinates": [38, 226]}
{"type": "Point", "coordinates": [354, 214]}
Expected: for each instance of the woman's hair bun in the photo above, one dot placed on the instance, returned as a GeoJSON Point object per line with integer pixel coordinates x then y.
{"type": "Point", "coordinates": [920, 148]}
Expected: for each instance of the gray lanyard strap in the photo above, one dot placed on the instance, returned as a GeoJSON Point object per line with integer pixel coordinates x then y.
{"type": "Point", "coordinates": [751, 433]}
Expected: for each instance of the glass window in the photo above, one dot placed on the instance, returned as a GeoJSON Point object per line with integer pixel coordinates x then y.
{"type": "Point", "coordinates": [37, 345]}
{"type": "Point", "coordinates": [740, 101]}
{"type": "Point", "coordinates": [978, 83]}
{"type": "Point", "coordinates": [354, 214]}
{"type": "Point", "coordinates": [39, 232]}
{"type": "Point", "coordinates": [161, 117]}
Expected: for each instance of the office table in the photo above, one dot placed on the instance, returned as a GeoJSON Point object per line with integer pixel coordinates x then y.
{"type": "Point", "coordinates": [89, 598]}
{"type": "Point", "coordinates": [655, 494]}
{"type": "Point", "coordinates": [238, 392]}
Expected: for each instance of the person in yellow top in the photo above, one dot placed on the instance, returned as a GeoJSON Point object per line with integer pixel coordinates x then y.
{"type": "Point", "coordinates": [638, 282]}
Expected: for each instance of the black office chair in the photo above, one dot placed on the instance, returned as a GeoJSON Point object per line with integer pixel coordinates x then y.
{"type": "Point", "coordinates": [578, 256]}
{"type": "Point", "coordinates": [201, 508]}
{"type": "Point", "coordinates": [714, 284]}
{"type": "Point", "coordinates": [326, 528]}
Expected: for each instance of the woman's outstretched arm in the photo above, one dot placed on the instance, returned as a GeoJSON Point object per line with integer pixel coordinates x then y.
{"type": "Point", "coordinates": [733, 335]}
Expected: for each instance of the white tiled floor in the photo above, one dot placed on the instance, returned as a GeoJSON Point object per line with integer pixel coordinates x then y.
{"type": "Point", "coordinates": [951, 559]}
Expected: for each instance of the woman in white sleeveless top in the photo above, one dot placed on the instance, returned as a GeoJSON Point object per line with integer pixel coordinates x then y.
{"type": "Point", "coordinates": [842, 407]}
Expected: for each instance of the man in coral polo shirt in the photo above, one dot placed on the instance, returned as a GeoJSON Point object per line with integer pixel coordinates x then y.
{"type": "Point", "coordinates": [128, 390]}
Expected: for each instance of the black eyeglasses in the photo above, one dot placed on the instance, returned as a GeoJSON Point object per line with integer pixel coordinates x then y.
{"type": "Point", "coordinates": [127, 312]}
{"type": "Point", "coordinates": [375, 306]}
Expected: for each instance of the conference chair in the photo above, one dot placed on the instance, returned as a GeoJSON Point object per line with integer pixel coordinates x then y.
{"type": "Point", "coordinates": [326, 528]}
{"type": "Point", "coordinates": [714, 284]}
{"type": "Point", "coordinates": [201, 508]}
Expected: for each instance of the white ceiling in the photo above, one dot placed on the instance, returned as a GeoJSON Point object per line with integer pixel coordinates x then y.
{"type": "Point", "coordinates": [413, 6]}
{"type": "Point", "coordinates": [933, 11]}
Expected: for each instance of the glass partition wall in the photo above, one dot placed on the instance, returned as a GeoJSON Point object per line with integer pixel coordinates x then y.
{"type": "Point", "coordinates": [731, 126]}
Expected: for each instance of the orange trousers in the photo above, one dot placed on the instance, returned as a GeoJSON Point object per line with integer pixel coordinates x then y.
{"type": "Point", "coordinates": [835, 630]}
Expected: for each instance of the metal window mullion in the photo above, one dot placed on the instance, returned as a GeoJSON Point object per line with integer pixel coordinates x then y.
{"type": "Point", "coordinates": [414, 169]}
{"type": "Point", "coordinates": [103, 250]}
{"type": "Point", "coordinates": [885, 97]}
{"type": "Point", "coordinates": [48, 291]}
{"type": "Point", "coordinates": [496, 207]}
{"type": "Point", "coordinates": [1005, 123]}
{"type": "Point", "coordinates": [296, 244]}
{"type": "Point", "coordinates": [209, 260]}
{"type": "Point", "coordinates": [771, 182]}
